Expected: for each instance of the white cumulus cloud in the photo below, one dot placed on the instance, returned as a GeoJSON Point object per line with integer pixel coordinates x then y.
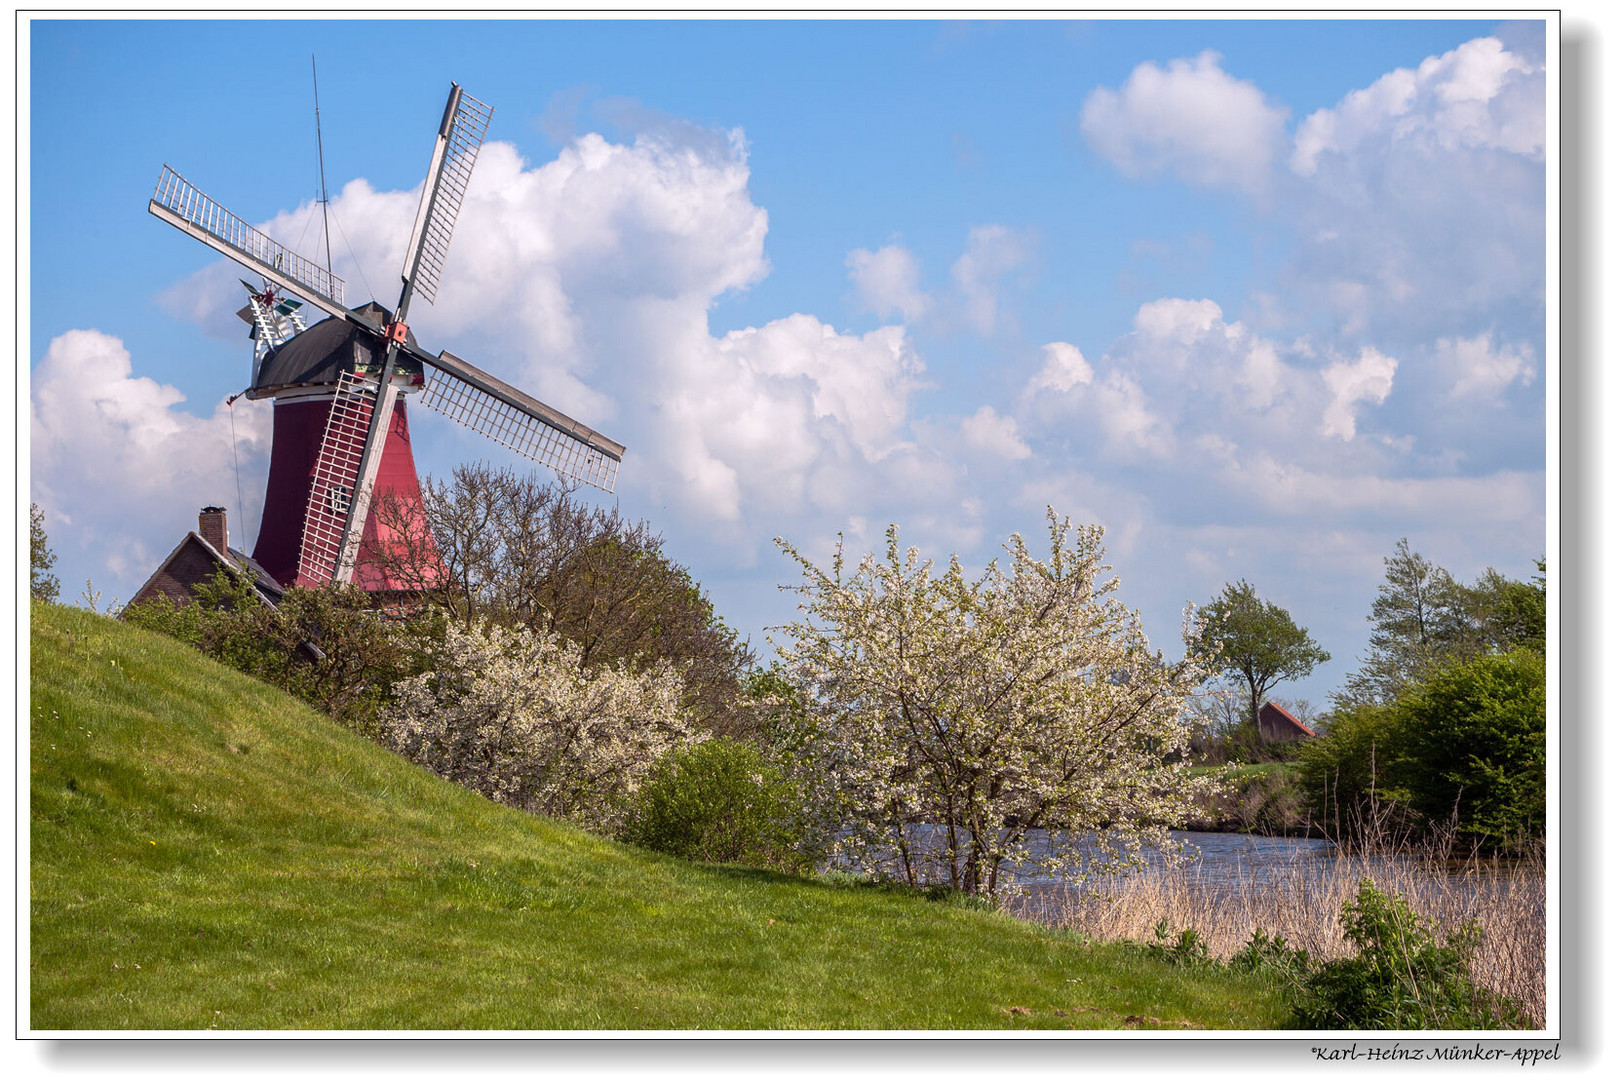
{"type": "Point", "coordinates": [1480, 371]}
{"type": "Point", "coordinates": [782, 415]}
{"type": "Point", "coordinates": [1478, 95]}
{"type": "Point", "coordinates": [886, 282]}
{"type": "Point", "coordinates": [1189, 383]}
{"type": "Point", "coordinates": [1189, 118]}
{"type": "Point", "coordinates": [992, 433]}
{"type": "Point", "coordinates": [1368, 378]}
{"type": "Point", "coordinates": [117, 459]}
{"type": "Point", "coordinates": [1183, 321]}
{"type": "Point", "coordinates": [1420, 201]}
{"type": "Point", "coordinates": [1063, 369]}
{"type": "Point", "coordinates": [992, 252]}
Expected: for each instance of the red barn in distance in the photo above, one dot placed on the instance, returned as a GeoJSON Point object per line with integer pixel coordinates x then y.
{"type": "Point", "coordinates": [1278, 725]}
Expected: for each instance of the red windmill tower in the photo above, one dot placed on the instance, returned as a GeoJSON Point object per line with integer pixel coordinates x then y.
{"type": "Point", "coordinates": [341, 437]}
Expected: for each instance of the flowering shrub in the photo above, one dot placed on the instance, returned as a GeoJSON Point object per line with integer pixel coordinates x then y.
{"type": "Point", "coordinates": [512, 715]}
{"type": "Point", "coordinates": [954, 730]}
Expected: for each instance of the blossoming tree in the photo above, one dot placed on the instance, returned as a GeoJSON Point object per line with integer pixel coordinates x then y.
{"type": "Point", "coordinates": [511, 714]}
{"type": "Point", "coordinates": [957, 729]}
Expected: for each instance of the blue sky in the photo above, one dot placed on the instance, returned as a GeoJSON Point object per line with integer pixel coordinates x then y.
{"type": "Point", "coordinates": [1262, 297]}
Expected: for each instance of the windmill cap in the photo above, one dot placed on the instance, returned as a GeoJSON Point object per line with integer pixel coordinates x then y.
{"type": "Point", "coordinates": [317, 356]}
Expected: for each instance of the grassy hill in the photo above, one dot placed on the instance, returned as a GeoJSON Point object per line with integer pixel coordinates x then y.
{"type": "Point", "coordinates": [208, 852]}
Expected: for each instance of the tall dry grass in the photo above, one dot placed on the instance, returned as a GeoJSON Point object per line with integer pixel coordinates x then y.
{"type": "Point", "coordinates": [1303, 902]}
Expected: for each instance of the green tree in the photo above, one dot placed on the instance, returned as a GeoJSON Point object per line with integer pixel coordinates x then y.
{"type": "Point", "coordinates": [1418, 620]}
{"type": "Point", "coordinates": [42, 584]}
{"type": "Point", "coordinates": [1423, 617]}
{"type": "Point", "coordinates": [1475, 744]}
{"type": "Point", "coordinates": [1504, 614]}
{"type": "Point", "coordinates": [1350, 778]}
{"type": "Point", "coordinates": [1464, 749]}
{"type": "Point", "coordinates": [1254, 643]}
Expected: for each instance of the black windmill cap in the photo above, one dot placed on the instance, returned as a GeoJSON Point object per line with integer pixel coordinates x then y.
{"type": "Point", "coordinates": [317, 356]}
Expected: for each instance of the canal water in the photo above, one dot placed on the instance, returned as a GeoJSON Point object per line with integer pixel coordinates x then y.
{"type": "Point", "coordinates": [1222, 859]}
{"type": "Point", "coordinates": [1215, 858]}
{"type": "Point", "coordinates": [1216, 864]}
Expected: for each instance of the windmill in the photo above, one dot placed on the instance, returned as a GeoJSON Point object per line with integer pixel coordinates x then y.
{"type": "Point", "coordinates": [340, 431]}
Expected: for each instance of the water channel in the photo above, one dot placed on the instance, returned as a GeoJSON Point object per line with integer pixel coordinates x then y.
{"type": "Point", "coordinates": [1222, 865]}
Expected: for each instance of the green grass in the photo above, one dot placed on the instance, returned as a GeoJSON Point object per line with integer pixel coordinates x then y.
{"type": "Point", "coordinates": [1289, 769]}
{"type": "Point", "coordinates": [208, 852]}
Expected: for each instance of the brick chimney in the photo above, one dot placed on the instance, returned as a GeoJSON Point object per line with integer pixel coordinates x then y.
{"type": "Point", "coordinates": [211, 527]}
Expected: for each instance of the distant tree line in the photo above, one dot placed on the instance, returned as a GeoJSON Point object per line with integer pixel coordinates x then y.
{"type": "Point", "coordinates": [1439, 730]}
{"type": "Point", "coordinates": [1423, 619]}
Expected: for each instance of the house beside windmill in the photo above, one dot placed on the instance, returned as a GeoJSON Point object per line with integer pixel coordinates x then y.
{"type": "Point", "coordinates": [1277, 725]}
{"type": "Point", "coordinates": [198, 557]}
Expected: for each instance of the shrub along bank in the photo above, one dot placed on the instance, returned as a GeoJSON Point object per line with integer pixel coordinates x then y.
{"type": "Point", "coordinates": [1462, 752]}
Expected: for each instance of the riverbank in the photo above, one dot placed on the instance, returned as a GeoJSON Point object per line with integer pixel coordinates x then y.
{"type": "Point", "coordinates": [1263, 798]}
{"type": "Point", "coordinates": [1297, 889]}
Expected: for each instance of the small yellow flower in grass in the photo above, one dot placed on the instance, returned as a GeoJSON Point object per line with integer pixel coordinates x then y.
{"type": "Point", "coordinates": [154, 843]}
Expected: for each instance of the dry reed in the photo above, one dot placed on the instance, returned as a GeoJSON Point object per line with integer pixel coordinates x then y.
{"type": "Point", "coordinates": [1303, 902]}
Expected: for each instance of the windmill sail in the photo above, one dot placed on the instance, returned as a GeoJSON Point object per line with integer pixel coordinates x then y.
{"type": "Point", "coordinates": [180, 204]}
{"type": "Point", "coordinates": [336, 470]}
{"type": "Point", "coordinates": [353, 440]}
{"type": "Point", "coordinates": [455, 150]}
{"type": "Point", "coordinates": [461, 133]}
{"type": "Point", "coordinates": [507, 415]}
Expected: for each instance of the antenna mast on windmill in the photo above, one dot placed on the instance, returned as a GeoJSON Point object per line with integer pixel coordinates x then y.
{"type": "Point", "coordinates": [320, 157]}
{"type": "Point", "coordinates": [345, 375]}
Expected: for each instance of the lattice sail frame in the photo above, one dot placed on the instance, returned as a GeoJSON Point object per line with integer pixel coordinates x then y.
{"type": "Point", "coordinates": [559, 450]}
{"type": "Point", "coordinates": [192, 211]}
{"type": "Point", "coordinates": [336, 470]}
{"type": "Point", "coordinates": [506, 416]}
{"type": "Point", "coordinates": [466, 136]}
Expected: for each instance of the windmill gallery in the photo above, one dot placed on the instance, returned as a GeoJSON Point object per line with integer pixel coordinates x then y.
{"type": "Point", "coordinates": [341, 442]}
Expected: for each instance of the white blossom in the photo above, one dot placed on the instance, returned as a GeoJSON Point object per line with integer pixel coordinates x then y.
{"type": "Point", "coordinates": [512, 715]}
{"type": "Point", "coordinates": [1022, 706]}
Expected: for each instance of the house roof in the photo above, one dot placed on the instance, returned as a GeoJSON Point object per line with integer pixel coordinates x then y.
{"type": "Point", "coordinates": [239, 563]}
{"type": "Point", "coordinates": [1285, 718]}
{"type": "Point", "coordinates": [267, 585]}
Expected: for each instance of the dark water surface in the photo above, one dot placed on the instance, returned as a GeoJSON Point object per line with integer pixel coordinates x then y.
{"type": "Point", "coordinates": [1224, 859]}
{"type": "Point", "coordinates": [1222, 864]}
{"type": "Point", "coordinates": [1221, 860]}
{"type": "Point", "coordinates": [1229, 864]}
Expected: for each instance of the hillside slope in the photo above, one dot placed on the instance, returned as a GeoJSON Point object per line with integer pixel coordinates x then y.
{"type": "Point", "coordinates": [208, 852]}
